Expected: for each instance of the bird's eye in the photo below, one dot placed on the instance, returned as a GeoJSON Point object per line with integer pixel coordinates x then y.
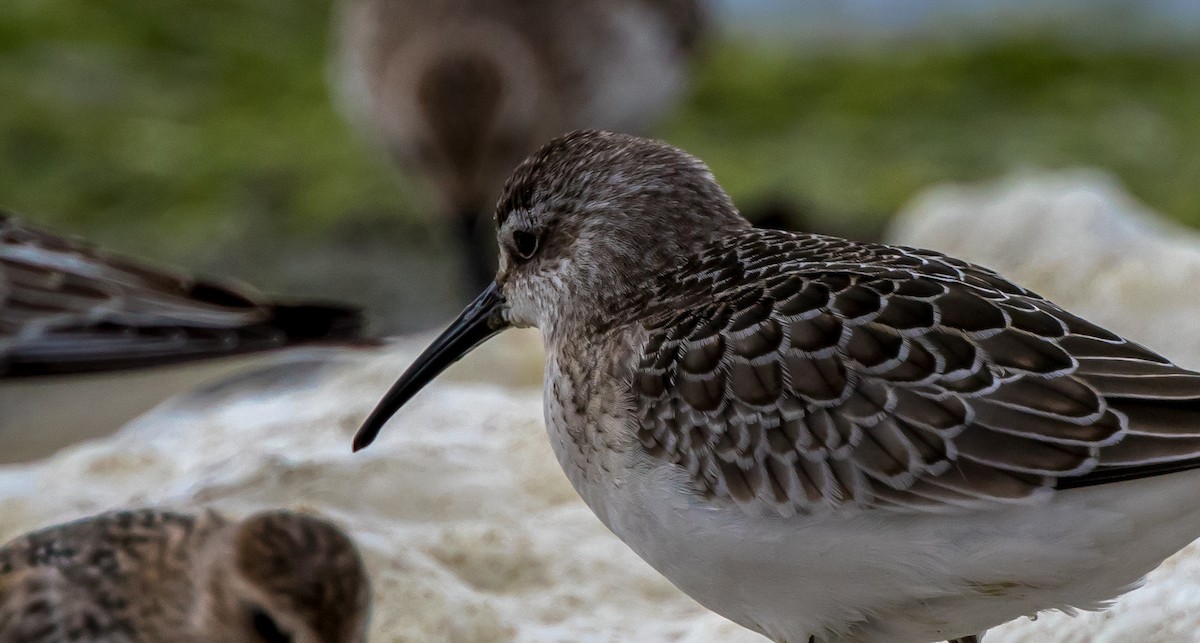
{"type": "Point", "coordinates": [526, 243]}
{"type": "Point", "coordinates": [266, 628]}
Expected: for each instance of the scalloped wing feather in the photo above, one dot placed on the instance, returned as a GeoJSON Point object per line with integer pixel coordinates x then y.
{"type": "Point", "coordinates": [789, 373]}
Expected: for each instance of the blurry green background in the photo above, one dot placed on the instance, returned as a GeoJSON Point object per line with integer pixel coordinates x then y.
{"type": "Point", "coordinates": [203, 135]}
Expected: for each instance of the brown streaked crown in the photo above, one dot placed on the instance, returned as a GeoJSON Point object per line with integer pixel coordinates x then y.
{"type": "Point", "coordinates": [309, 566]}
{"type": "Point", "coordinates": [601, 202]}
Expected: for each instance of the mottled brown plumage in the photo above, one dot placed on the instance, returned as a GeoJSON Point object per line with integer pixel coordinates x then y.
{"type": "Point", "coordinates": [825, 440]}
{"type": "Point", "coordinates": [793, 371]}
{"type": "Point", "coordinates": [149, 576]}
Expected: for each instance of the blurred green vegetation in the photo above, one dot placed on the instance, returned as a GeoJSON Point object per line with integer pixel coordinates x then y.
{"type": "Point", "coordinates": [176, 124]}
{"type": "Point", "coordinates": [177, 120]}
{"type": "Point", "coordinates": [859, 134]}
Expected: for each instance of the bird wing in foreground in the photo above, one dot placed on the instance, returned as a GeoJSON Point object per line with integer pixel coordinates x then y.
{"type": "Point", "coordinates": [67, 308]}
{"type": "Point", "coordinates": [797, 372]}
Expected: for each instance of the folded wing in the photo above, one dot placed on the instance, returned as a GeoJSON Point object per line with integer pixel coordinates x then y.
{"type": "Point", "coordinates": [798, 372]}
{"type": "Point", "coordinates": [67, 308]}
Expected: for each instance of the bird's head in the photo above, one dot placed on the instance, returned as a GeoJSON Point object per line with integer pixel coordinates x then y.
{"type": "Point", "coordinates": [585, 226]}
{"type": "Point", "coordinates": [289, 578]}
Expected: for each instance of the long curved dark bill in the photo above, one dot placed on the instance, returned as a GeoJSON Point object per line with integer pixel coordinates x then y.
{"type": "Point", "coordinates": [480, 320]}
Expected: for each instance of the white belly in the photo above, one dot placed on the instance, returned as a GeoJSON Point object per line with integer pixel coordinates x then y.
{"type": "Point", "coordinates": [880, 576]}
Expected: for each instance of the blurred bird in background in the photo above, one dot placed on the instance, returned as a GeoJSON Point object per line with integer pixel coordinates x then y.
{"type": "Point", "coordinates": [151, 576]}
{"type": "Point", "coordinates": [460, 91]}
{"type": "Point", "coordinates": [88, 340]}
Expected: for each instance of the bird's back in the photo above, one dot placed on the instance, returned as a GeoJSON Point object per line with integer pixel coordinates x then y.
{"type": "Point", "coordinates": [794, 372]}
{"type": "Point", "coordinates": [117, 577]}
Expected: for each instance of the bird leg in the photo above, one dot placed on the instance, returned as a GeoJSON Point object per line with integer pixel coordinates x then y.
{"type": "Point", "coordinates": [479, 254]}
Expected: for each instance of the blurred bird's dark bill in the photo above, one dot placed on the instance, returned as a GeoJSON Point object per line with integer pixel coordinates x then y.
{"type": "Point", "coordinates": [480, 320]}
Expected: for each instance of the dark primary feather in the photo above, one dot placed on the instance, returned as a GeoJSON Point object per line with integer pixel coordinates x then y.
{"type": "Point", "coordinates": [793, 372]}
{"type": "Point", "coordinates": [66, 307]}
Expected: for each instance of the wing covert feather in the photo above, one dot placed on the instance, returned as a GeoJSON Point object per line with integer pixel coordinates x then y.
{"type": "Point", "coordinates": [790, 373]}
